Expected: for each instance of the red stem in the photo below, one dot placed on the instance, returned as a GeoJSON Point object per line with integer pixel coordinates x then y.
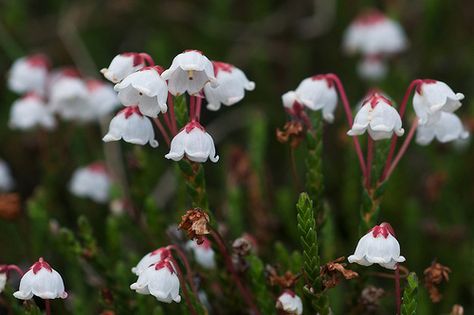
{"type": "Point", "coordinates": [184, 288]}
{"type": "Point", "coordinates": [162, 130]}
{"type": "Point", "coordinates": [189, 272]}
{"type": "Point", "coordinates": [370, 157]}
{"type": "Point", "coordinates": [166, 118]}
{"type": "Point", "coordinates": [47, 306]}
{"type": "Point", "coordinates": [192, 104]}
{"type": "Point", "coordinates": [172, 114]}
{"type": "Point", "coordinates": [148, 59]}
{"type": "Point", "coordinates": [16, 268]}
{"type": "Point", "coordinates": [403, 148]}
{"type": "Point", "coordinates": [198, 107]}
{"type": "Point", "coordinates": [397, 289]}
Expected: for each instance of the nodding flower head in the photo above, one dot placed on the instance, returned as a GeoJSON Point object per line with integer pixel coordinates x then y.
{"type": "Point", "coordinates": [91, 182]}
{"type": "Point", "coordinates": [372, 68]}
{"type": "Point", "coordinates": [150, 259]}
{"type": "Point", "coordinates": [29, 74]}
{"type": "Point", "coordinates": [290, 303]}
{"type": "Point", "coordinates": [29, 112]}
{"type": "Point", "coordinates": [123, 65]}
{"type": "Point", "coordinates": [102, 98]}
{"type": "Point", "coordinates": [448, 128]}
{"type": "Point", "coordinates": [203, 253]}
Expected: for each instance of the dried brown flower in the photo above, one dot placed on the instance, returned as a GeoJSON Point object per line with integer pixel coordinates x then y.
{"type": "Point", "coordinates": [334, 271]}
{"type": "Point", "coordinates": [287, 280]}
{"type": "Point", "coordinates": [457, 310]}
{"type": "Point", "coordinates": [194, 223]}
{"type": "Point", "coordinates": [242, 246]}
{"type": "Point", "coordinates": [369, 299]}
{"type": "Point", "coordinates": [293, 132]}
{"type": "Point", "coordinates": [10, 206]}
{"type": "Point", "coordinates": [434, 275]}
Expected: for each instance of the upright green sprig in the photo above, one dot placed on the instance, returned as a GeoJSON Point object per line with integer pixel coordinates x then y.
{"type": "Point", "coordinates": [410, 295]}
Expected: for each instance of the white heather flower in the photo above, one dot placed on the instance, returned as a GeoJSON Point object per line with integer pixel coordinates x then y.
{"type": "Point", "coordinates": [189, 72]}
{"type": "Point", "coordinates": [6, 180]}
{"type": "Point", "coordinates": [290, 303]}
{"type": "Point", "coordinates": [448, 128]}
{"type": "Point", "coordinates": [203, 253]}
{"type": "Point", "coordinates": [92, 182]}
{"type": "Point", "coordinates": [122, 65]}
{"type": "Point", "coordinates": [159, 280]}
{"type": "Point", "coordinates": [372, 33]}
{"type": "Point", "coordinates": [372, 68]}
{"type": "Point", "coordinates": [150, 259]}
{"type": "Point", "coordinates": [29, 74]}
{"type": "Point", "coordinates": [131, 126]}
{"type": "Point", "coordinates": [194, 142]}
{"type": "Point", "coordinates": [232, 84]}
{"type": "Point", "coordinates": [317, 93]}
{"type": "Point", "coordinates": [145, 88]}
{"type": "Point", "coordinates": [102, 98]}
{"type": "Point", "coordinates": [43, 281]}
{"type": "Point", "coordinates": [29, 112]}
{"type": "Point", "coordinates": [378, 246]}
{"type": "Point", "coordinates": [431, 97]}
{"type": "Point", "coordinates": [378, 117]}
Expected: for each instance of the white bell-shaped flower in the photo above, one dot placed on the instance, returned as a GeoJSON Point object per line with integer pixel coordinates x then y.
{"type": "Point", "coordinates": [203, 253]}
{"type": "Point", "coordinates": [131, 126]}
{"type": "Point", "coordinates": [448, 128]}
{"type": "Point", "coordinates": [290, 303]}
{"type": "Point", "coordinates": [151, 259]}
{"type": "Point", "coordinates": [145, 88]}
{"type": "Point", "coordinates": [92, 182]}
{"type": "Point", "coordinates": [189, 72]}
{"type": "Point", "coordinates": [102, 99]}
{"type": "Point", "coordinates": [318, 93]}
{"type": "Point", "coordinates": [42, 281]}
{"type": "Point", "coordinates": [29, 74]}
{"type": "Point", "coordinates": [372, 68]}
{"type": "Point", "coordinates": [432, 97]}
{"type": "Point", "coordinates": [232, 84]}
{"type": "Point", "coordinates": [29, 112]}
{"type": "Point", "coordinates": [194, 142]}
{"type": "Point", "coordinates": [378, 246]}
{"type": "Point", "coordinates": [378, 117]}
{"type": "Point", "coordinates": [6, 180]}
{"type": "Point", "coordinates": [123, 65]}
{"type": "Point", "coordinates": [159, 280]}
{"type": "Point", "coordinates": [372, 33]}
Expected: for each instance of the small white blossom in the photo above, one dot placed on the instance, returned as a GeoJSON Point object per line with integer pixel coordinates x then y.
{"type": "Point", "coordinates": [29, 112]}
{"type": "Point", "coordinates": [372, 68]}
{"type": "Point", "coordinates": [123, 65]}
{"type": "Point", "coordinates": [189, 72]}
{"type": "Point", "coordinates": [42, 281]}
{"type": "Point", "coordinates": [431, 98]}
{"type": "Point", "coordinates": [92, 182]}
{"type": "Point", "coordinates": [232, 84]}
{"type": "Point", "coordinates": [6, 180]}
{"type": "Point", "coordinates": [3, 281]}
{"type": "Point", "coordinates": [194, 142]}
{"type": "Point", "coordinates": [448, 128]}
{"type": "Point", "coordinates": [378, 246]}
{"type": "Point", "coordinates": [102, 99]}
{"type": "Point", "coordinates": [203, 253]}
{"type": "Point", "coordinates": [290, 303]}
{"type": "Point", "coordinates": [151, 259]}
{"type": "Point", "coordinates": [145, 88]}
{"type": "Point", "coordinates": [131, 126]}
{"type": "Point", "coordinates": [378, 117]}
{"type": "Point", "coordinates": [29, 74]}
{"type": "Point", "coordinates": [159, 280]}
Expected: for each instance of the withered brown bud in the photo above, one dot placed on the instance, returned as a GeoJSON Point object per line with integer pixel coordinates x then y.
{"type": "Point", "coordinates": [370, 298]}
{"type": "Point", "coordinates": [293, 132]}
{"type": "Point", "coordinates": [10, 205]}
{"type": "Point", "coordinates": [334, 271]}
{"type": "Point", "coordinates": [194, 223]}
{"type": "Point", "coordinates": [434, 276]}
{"type": "Point", "coordinates": [285, 281]}
{"type": "Point", "coordinates": [242, 246]}
{"type": "Point", "coordinates": [457, 310]}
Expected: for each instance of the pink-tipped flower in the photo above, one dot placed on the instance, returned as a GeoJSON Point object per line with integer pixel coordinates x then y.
{"type": "Point", "coordinates": [145, 88]}
{"type": "Point", "coordinates": [42, 281]}
{"type": "Point", "coordinates": [378, 246]}
{"type": "Point", "coordinates": [290, 303]}
{"type": "Point", "coordinates": [131, 126]}
{"type": "Point", "coordinates": [123, 65]}
{"type": "Point", "coordinates": [448, 128]}
{"type": "Point", "coordinates": [29, 112]}
{"type": "Point", "coordinates": [378, 118]}
{"type": "Point", "coordinates": [189, 72]}
{"type": "Point", "coordinates": [433, 97]}
{"type": "Point", "coordinates": [102, 99]}
{"type": "Point", "coordinates": [232, 84]}
{"type": "Point", "coordinates": [91, 182]}
{"type": "Point", "coordinates": [29, 74]}
{"type": "Point", "coordinates": [194, 142]}
{"type": "Point", "coordinates": [372, 68]}
{"type": "Point", "coordinates": [159, 280]}
{"type": "Point", "coordinates": [203, 253]}
{"type": "Point", "coordinates": [151, 259]}
{"type": "Point", "coordinates": [6, 180]}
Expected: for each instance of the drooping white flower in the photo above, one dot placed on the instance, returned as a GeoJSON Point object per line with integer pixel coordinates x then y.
{"type": "Point", "coordinates": [448, 128]}
{"type": "Point", "coordinates": [6, 180]}
{"type": "Point", "coordinates": [145, 88]}
{"type": "Point", "coordinates": [372, 68]}
{"type": "Point", "coordinates": [43, 281]}
{"type": "Point", "coordinates": [373, 33]}
{"type": "Point", "coordinates": [159, 280]}
{"type": "Point", "coordinates": [91, 182]}
{"type": "Point", "coordinates": [102, 99]}
{"type": "Point", "coordinates": [194, 142]}
{"type": "Point", "coordinates": [378, 117]}
{"type": "Point", "coordinates": [203, 253]}
{"type": "Point", "coordinates": [3, 281]}
{"type": "Point", "coordinates": [432, 97]}
{"type": "Point", "coordinates": [378, 246]}
{"type": "Point", "coordinates": [123, 65]}
{"type": "Point", "coordinates": [29, 112]}
{"type": "Point", "coordinates": [290, 303]}
{"type": "Point", "coordinates": [189, 72]}
{"type": "Point", "coordinates": [131, 126]}
{"type": "Point", "coordinates": [151, 259]}
{"type": "Point", "coordinates": [232, 84]}
{"type": "Point", "coordinates": [29, 74]}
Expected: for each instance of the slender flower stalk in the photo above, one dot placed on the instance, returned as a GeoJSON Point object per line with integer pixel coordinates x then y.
{"type": "Point", "coordinates": [189, 272]}
{"type": "Point", "coordinates": [47, 306]}
{"type": "Point", "coordinates": [403, 148]}
{"type": "Point", "coordinates": [398, 300]}
{"type": "Point", "coordinates": [370, 157]}
{"type": "Point", "coordinates": [162, 130]}
{"type": "Point", "coordinates": [192, 107]}
{"type": "Point", "coordinates": [198, 107]}
{"type": "Point", "coordinates": [166, 118]}
{"type": "Point", "coordinates": [15, 268]}
{"type": "Point", "coordinates": [172, 114]}
{"type": "Point", "coordinates": [148, 59]}
{"type": "Point", "coordinates": [183, 286]}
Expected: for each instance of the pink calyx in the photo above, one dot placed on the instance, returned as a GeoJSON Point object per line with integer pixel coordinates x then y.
{"type": "Point", "coordinates": [198, 51]}
{"type": "Point", "coordinates": [70, 72]}
{"type": "Point", "coordinates": [329, 82]}
{"type": "Point", "coordinates": [193, 124]}
{"type": "Point", "coordinates": [38, 60]}
{"type": "Point", "coordinates": [205, 244]}
{"type": "Point", "coordinates": [163, 252]}
{"type": "Point", "coordinates": [165, 263]}
{"type": "Point", "coordinates": [94, 85]}
{"type": "Point", "coordinates": [289, 292]}
{"type": "Point", "coordinates": [41, 263]}
{"type": "Point", "coordinates": [32, 95]}
{"type": "Point", "coordinates": [137, 58]}
{"type": "Point", "coordinates": [158, 69]}
{"type": "Point", "coordinates": [384, 229]}
{"type": "Point", "coordinates": [97, 167]}
{"type": "Point", "coordinates": [370, 17]}
{"type": "Point", "coordinates": [221, 66]}
{"type": "Point", "coordinates": [128, 111]}
{"type": "Point", "coordinates": [424, 81]}
{"type": "Point", "coordinates": [375, 98]}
